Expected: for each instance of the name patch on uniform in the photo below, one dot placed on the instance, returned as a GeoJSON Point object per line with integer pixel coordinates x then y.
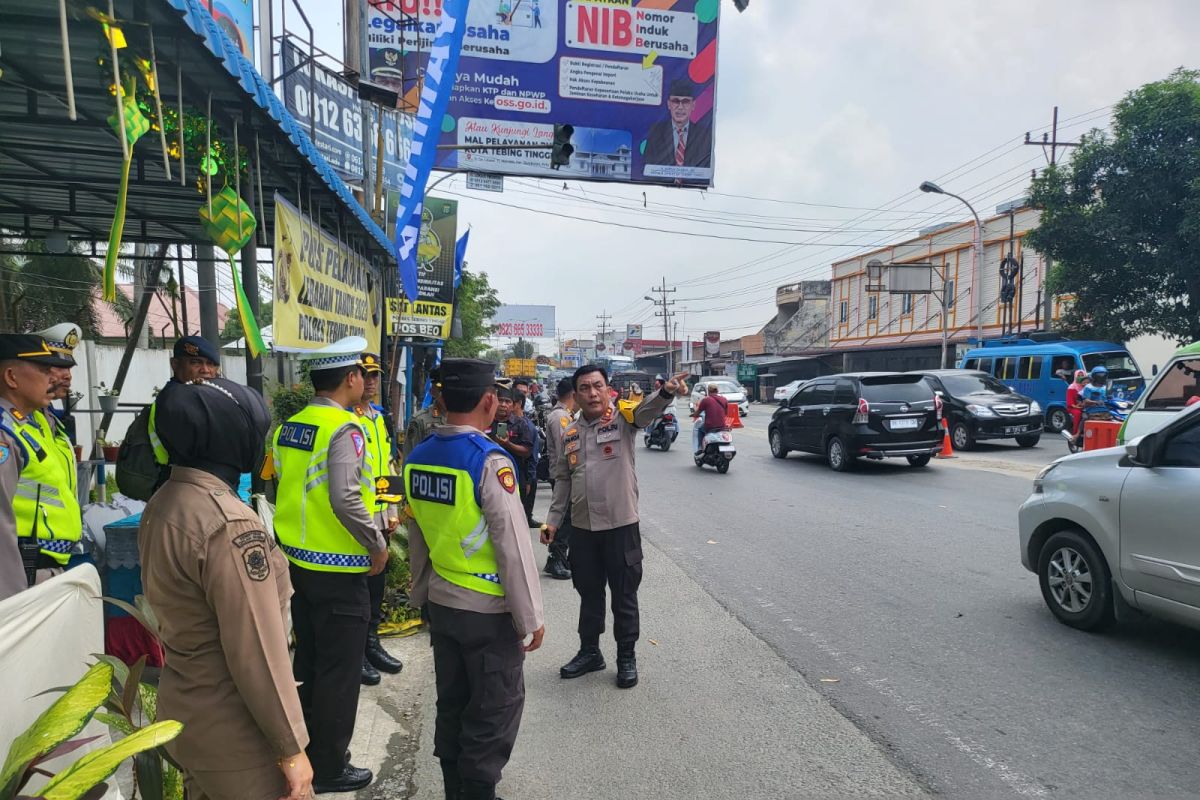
{"type": "Point", "coordinates": [507, 479]}
{"type": "Point", "coordinates": [608, 433]}
{"type": "Point", "coordinates": [247, 539]}
{"type": "Point", "coordinates": [432, 486]}
{"type": "Point", "coordinates": [298, 435]}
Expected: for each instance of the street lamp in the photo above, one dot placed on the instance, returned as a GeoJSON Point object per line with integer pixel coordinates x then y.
{"type": "Point", "coordinates": [977, 270]}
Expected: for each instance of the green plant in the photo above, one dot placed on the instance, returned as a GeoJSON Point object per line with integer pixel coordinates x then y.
{"type": "Point", "coordinates": [288, 400]}
{"type": "Point", "coordinates": [399, 578]}
{"type": "Point", "coordinates": [51, 736]}
{"type": "Point", "coordinates": [106, 391]}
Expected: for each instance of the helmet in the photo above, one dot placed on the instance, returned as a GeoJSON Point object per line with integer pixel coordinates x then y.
{"type": "Point", "coordinates": [1099, 370]}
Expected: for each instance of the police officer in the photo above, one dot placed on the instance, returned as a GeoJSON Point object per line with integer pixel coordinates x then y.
{"type": "Point", "coordinates": [557, 422]}
{"type": "Point", "coordinates": [40, 520]}
{"type": "Point", "coordinates": [425, 421]}
{"type": "Point", "coordinates": [325, 528]}
{"type": "Point", "coordinates": [62, 339]}
{"type": "Point", "coordinates": [219, 586]}
{"type": "Point", "coordinates": [473, 568]}
{"type": "Point", "coordinates": [379, 453]}
{"type": "Point", "coordinates": [598, 484]}
{"type": "Point", "coordinates": [193, 358]}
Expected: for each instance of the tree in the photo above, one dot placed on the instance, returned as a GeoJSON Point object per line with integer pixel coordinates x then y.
{"type": "Point", "coordinates": [522, 349]}
{"type": "Point", "coordinates": [1122, 220]}
{"type": "Point", "coordinates": [233, 323]}
{"type": "Point", "coordinates": [39, 289]}
{"type": "Point", "coordinates": [475, 303]}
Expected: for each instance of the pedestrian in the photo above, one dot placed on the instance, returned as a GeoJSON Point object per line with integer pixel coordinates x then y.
{"type": "Point", "coordinates": [512, 431]}
{"type": "Point", "coordinates": [425, 421]}
{"type": "Point", "coordinates": [325, 528]}
{"type": "Point", "coordinates": [557, 422]}
{"type": "Point", "coordinates": [523, 408]}
{"type": "Point", "coordinates": [474, 572]}
{"type": "Point", "coordinates": [386, 513]}
{"type": "Point", "coordinates": [219, 587]}
{"type": "Point", "coordinates": [597, 482]}
{"type": "Point", "coordinates": [40, 520]}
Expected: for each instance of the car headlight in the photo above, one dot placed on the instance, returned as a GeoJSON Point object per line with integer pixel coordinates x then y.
{"type": "Point", "coordinates": [1040, 479]}
{"type": "Point", "coordinates": [980, 411]}
{"type": "Point", "coordinates": [1035, 407]}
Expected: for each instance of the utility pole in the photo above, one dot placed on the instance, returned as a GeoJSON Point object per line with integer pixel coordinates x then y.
{"type": "Point", "coordinates": [1049, 141]}
{"type": "Point", "coordinates": [603, 317]}
{"type": "Point", "coordinates": [666, 313]}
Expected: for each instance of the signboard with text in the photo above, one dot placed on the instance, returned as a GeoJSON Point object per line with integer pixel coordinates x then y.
{"type": "Point", "coordinates": [637, 81]}
{"type": "Point", "coordinates": [430, 316]}
{"type": "Point", "coordinates": [712, 344]}
{"type": "Point", "coordinates": [531, 322]}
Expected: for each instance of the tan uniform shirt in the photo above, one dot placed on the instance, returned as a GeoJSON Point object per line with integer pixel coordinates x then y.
{"type": "Point", "coordinates": [557, 422]}
{"type": "Point", "coordinates": [515, 562]}
{"type": "Point", "coordinates": [219, 586]}
{"type": "Point", "coordinates": [12, 572]}
{"type": "Point", "coordinates": [595, 473]}
{"type": "Point", "coordinates": [420, 426]}
{"type": "Point", "coordinates": [345, 482]}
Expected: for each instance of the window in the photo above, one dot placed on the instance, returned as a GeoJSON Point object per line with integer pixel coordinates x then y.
{"type": "Point", "coordinates": [1183, 449]}
{"type": "Point", "coordinates": [949, 295]}
{"type": "Point", "coordinates": [985, 365]}
{"type": "Point", "coordinates": [823, 394]}
{"type": "Point", "coordinates": [971, 363]}
{"type": "Point", "coordinates": [896, 389]}
{"type": "Point", "coordinates": [844, 394]}
{"type": "Point", "coordinates": [844, 311]}
{"type": "Point", "coordinates": [804, 397]}
{"type": "Point", "coordinates": [1176, 386]}
{"type": "Point", "coordinates": [1006, 368]}
{"type": "Point", "coordinates": [1064, 367]}
{"type": "Point", "coordinates": [1120, 364]}
{"type": "Point", "coordinates": [907, 305]}
{"type": "Point", "coordinates": [1030, 368]}
{"type": "Point", "coordinates": [873, 307]}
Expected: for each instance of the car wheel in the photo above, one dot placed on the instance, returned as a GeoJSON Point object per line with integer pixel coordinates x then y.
{"type": "Point", "coordinates": [838, 456]}
{"type": "Point", "coordinates": [722, 467]}
{"type": "Point", "coordinates": [1058, 420]}
{"type": "Point", "coordinates": [1029, 441]}
{"type": "Point", "coordinates": [961, 438]}
{"type": "Point", "coordinates": [1075, 581]}
{"type": "Point", "coordinates": [777, 448]}
{"type": "Point", "coordinates": [918, 461]}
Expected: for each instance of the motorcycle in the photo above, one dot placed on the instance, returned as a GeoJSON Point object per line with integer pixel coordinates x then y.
{"type": "Point", "coordinates": [1115, 410]}
{"type": "Point", "coordinates": [718, 451]}
{"type": "Point", "coordinates": [662, 432]}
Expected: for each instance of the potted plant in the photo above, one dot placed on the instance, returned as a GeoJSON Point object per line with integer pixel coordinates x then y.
{"type": "Point", "coordinates": [108, 398]}
{"type": "Point", "coordinates": [110, 450]}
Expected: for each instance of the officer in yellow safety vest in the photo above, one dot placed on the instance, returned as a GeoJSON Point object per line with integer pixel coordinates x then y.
{"type": "Point", "coordinates": [62, 339]}
{"type": "Point", "coordinates": [474, 572]}
{"type": "Point", "coordinates": [40, 521]}
{"type": "Point", "coordinates": [384, 507]}
{"type": "Point", "coordinates": [193, 358]}
{"type": "Point", "coordinates": [325, 528]}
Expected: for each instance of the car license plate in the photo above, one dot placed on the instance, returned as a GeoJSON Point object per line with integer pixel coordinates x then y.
{"type": "Point", "coordinates": [1016, 430]}
{"type": "Point", "coordinates": [904, 424]}
{"type": "Point", "coordinates": [726, 448]}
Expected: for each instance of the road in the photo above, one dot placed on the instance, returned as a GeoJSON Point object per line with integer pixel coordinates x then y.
{"type": "Point", "coordinates": [905, 586]}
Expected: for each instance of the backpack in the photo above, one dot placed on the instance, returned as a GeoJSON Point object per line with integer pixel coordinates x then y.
{"type": "Point", "coordinates": [137, 471]}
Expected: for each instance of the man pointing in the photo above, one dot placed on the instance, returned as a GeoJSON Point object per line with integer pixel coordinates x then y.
{"type": "Point", "coordinates": [595, 478]}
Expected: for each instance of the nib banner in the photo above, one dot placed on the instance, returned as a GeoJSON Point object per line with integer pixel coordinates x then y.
{"type": "Point", "coordinates": [435, 97]}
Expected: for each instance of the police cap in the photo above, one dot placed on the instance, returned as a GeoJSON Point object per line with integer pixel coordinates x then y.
{"type": "Point", "coordinates": [466, 373]}
{"type": "Point", "coordinates": [32, 348]}
{"type": "Point", "coordinates": [371, 362]}
{"type": "Point", "coordinates": [196, 347]}
{"type": "Point", "coordinates": [62, 339]}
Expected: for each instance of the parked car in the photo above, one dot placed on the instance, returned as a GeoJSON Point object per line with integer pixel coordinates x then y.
{"type": "Point", "coordinates": [976, 406]}
{"type": "Point", "coordinates": [787, 390]}
{"type": "Point", "coordinates": [733, 393]}
{"type": "Point", "coordinates": [871, 414]}
{"type": "Point", "coordinates": [1112, 529]}
{"type": "Point", "coordinates": [1042, 369]}
{"type": "Point", "coordinates": [1168, 394]}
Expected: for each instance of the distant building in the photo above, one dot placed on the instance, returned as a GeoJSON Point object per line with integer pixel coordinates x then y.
{"type": "Point", "coordinates": [801, 320]}
{"type": "Point", "coordinates": [165, 318]}
{"type": "Point", "coordinates": [616, 166]}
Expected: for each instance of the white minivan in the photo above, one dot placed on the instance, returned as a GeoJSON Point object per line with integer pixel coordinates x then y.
{"type": "Point", "coordinates": [1168, 393]}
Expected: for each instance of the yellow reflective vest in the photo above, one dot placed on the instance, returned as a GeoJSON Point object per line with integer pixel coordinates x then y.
{"type": "Point", "coordinates": [46, 504]}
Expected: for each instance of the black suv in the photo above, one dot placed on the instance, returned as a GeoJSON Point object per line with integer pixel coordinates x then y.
{"type": "Point", "coordinates": [871, 414]}
{"type": "Point", "coordinates": [977, 406]}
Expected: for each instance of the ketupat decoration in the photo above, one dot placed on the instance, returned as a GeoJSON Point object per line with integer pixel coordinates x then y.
{"type": "Point", "coordinates": [135, 125]}
{"type": "Point", "coordinates": [230, 223]}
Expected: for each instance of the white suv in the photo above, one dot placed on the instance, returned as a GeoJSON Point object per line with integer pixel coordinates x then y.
{"type": "Point", "coordinates": [1116, 529]}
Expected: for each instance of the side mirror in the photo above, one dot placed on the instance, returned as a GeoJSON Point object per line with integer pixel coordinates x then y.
{"type": "Point", "coordinates": [1140, 450]}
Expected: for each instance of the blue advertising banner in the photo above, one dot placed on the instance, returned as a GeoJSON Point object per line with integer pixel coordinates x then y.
{"type": "Point", "coordinates": [236, 18]}
{"type": "Point", "coordinates": [337, 120]}
{"type": "Point", "coordinates": [635, 78]}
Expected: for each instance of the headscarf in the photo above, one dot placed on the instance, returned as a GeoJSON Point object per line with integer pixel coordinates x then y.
{"type": "Point", "coordinates": [217, 426]}
{"type": "Point", "coordinates": [1081, 374]}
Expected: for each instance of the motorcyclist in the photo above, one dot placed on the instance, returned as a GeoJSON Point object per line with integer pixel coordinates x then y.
{"type": "Point", "coordinates": [1075, 404]}
{"type": "Point", "coordinates": [709, 417]}
{"type": "Point", "coordinates": [1093, 402]}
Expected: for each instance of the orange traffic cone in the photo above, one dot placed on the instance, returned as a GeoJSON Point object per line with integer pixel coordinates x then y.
{"type": "Point", "coordinates": [734, 417]}
{"type": "Point", "coordinates": [947, 447]}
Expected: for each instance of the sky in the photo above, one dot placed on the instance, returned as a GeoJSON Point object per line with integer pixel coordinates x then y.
{"type": "Point", "coordinates": [829, 115]}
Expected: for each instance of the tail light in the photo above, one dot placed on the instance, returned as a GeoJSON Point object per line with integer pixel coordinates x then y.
{"type": "Point", "coordinates": [863, 415]}
{"type": "Point", "coordinates": [668, 417]}
{"type": "Point", "coordinates": [937, 405]}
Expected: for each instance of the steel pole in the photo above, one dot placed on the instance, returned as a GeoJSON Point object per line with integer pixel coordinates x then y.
{"type": "Point", "coordinates": [977, 267]}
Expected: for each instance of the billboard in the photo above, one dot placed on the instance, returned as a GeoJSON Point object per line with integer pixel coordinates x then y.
{"type": "Point", "coordinates": [236, 18]}
{"type": "Point", "coordinates": [633, 332]}
{"type": "Point", "coordinates": [524, 321]}
{"type": "Point", "coordinates": [712, 343]}
{"type": "Point", "coordinates": [430, 316]}
{"type": "Point", "coordinates": [636, 81]}
{"type": "Point", "coordinates": [323, 290]}
{"type": "Point", "coordinates": [337, 120]}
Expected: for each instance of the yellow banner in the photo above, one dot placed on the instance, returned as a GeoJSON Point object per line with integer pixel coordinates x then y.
{"type": "Point", "coordinates": [424, 318]}
{"type": "Point", "coordinates": [324, 291]}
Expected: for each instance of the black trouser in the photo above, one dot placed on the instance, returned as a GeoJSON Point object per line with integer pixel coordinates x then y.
{"type": "Point", "coordinates": [376, 584]}
{"type": "Point", "coordinates": [479, 663]}
{"type": "Point", "coordinates": [330, 613]}
{"type": "Point", "coordinates": [529, 491]}
{"type": "Point", "coordinates": [612, 557]}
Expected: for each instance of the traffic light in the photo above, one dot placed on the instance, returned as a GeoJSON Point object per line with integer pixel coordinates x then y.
{"type": "Point", "coordinates": [560, 156]}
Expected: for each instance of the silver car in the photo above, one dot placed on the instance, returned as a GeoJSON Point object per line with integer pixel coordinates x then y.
{"type": "Point", "coordinates": [1114, 530]}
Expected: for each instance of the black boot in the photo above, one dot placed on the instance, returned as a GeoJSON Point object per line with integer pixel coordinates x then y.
{"type": "Point", "coordinates": [350, 779]}
{"type": "Point", "coordinates": [370, 675]}
{"type": "Point", "coordinates": [556, 565]}
{"type": "Point", "coordinates": [478, 790]}
{"type": "Point", "coordinates": [451, 780]}
{"type": "Point", "coordinates": [627, 674]}
{"type": "Point", "coordinates": [588, 659]}
{"type": "Point", "coordinates": [381, 659]}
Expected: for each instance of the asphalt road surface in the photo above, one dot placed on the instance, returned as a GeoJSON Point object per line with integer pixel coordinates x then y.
{"type": "Point", "coordinates": [905, 585]}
